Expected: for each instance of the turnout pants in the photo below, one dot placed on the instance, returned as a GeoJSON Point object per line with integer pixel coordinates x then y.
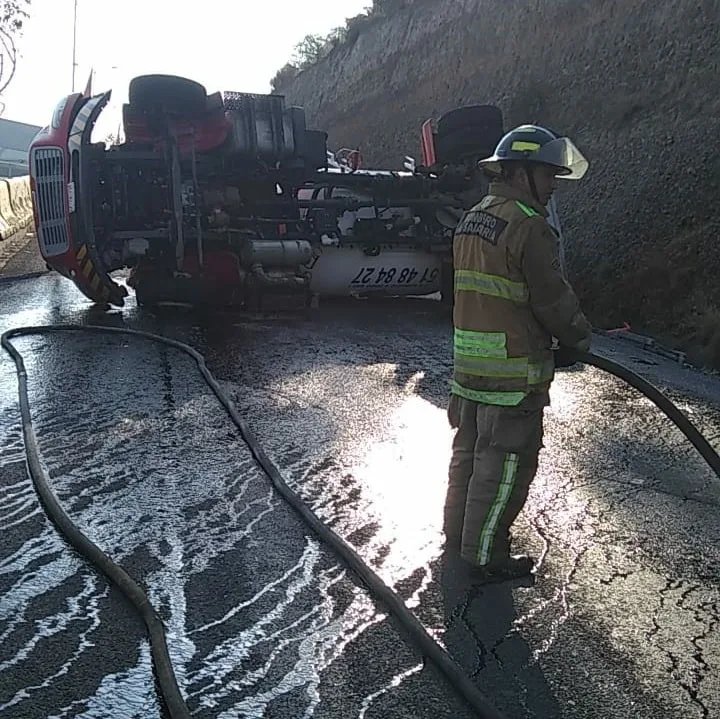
{"type": "Point", "coordinates": [494, 460]}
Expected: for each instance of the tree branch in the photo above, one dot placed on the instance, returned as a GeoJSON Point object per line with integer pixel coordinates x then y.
{"type": "Point", "coordinates": [12, 16]}
{"type": "Point", "coordinates": [8, 51]}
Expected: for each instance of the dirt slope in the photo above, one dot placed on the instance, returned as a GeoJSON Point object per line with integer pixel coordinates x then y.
{"type": "Point", "coordinates": [634, 82]}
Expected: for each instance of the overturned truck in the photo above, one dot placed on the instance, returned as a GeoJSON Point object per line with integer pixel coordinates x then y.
{"type": "Point", "coordinates": [228, 197]}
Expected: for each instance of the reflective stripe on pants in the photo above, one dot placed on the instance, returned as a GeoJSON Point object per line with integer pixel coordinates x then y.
{"type": "Point", "coordinates": [498, 508]}
{"type": "Point", "coordinates": [494, 460]}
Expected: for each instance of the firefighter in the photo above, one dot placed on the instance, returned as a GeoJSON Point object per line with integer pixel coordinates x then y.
{"type": "Point", "coordinates": [511, 299]}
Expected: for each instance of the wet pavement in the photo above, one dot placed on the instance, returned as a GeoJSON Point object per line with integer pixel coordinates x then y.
{"type": "Point", "coordinates": [263, 620]}
{"type": "Point", "coordinates": [20, 255]}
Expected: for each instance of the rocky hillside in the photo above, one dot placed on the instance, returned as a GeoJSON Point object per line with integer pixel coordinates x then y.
{"type": "Point", "coordinates": [634, 82]}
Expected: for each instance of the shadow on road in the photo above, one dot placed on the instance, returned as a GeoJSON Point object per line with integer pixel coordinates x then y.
{"type": "Point", "coordinates": [479, 634]}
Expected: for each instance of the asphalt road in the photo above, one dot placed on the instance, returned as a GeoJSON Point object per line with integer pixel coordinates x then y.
{"type": "Point", "coordinates": [19, 255]}
{"type": "Point", "coordinates": [621, 622]}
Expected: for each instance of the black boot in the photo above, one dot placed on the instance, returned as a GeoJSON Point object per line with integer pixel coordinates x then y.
{"type": "Point", "coordinates": [503, 569]}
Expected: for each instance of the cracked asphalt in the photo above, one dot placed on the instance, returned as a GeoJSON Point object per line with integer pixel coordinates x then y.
{"type": "Point", "coordinates": [349, 401]}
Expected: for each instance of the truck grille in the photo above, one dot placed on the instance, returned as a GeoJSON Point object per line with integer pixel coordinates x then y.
{"type": "Point", "coordinates": [48, 165]}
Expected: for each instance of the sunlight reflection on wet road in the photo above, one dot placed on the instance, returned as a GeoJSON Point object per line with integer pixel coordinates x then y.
{"type": "Point", "coordinates": [263, 621]}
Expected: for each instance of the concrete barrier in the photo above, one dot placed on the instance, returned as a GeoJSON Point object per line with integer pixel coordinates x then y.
{"type": "Point", "coordinates": [15, 193]}
{"type": "Point", "coordinates": [6, 210]}
{"type": "Point", "coordinates": [15, 205]}
{"type": "Point", "coordinates": [21, 200]}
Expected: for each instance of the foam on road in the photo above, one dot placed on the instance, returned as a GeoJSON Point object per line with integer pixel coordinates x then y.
{"type": "Point", "coordinates": [262, 620]}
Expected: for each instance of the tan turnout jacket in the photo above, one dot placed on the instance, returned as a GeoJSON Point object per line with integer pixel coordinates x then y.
{"type": "Point", "coordinates": [510, 300]}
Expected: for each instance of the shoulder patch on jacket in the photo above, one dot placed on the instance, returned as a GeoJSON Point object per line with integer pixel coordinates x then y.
{"type": "Point", "coordinates": [481, 224]}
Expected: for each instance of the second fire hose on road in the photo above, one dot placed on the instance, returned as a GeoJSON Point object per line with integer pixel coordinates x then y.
{"type": "Point", "coordinates": [171, 695]}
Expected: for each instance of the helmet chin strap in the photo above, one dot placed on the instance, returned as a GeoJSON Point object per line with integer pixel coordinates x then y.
{"type": "Point", "coordinates": [531, 181]}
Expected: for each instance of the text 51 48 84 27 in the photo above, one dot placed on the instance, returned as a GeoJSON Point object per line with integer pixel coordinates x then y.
{"type": "Point", "coordinates": [407, 276]}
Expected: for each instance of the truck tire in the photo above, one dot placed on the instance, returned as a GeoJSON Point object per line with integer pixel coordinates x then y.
{"type": "Point", "coordinates": [471, 131]}
{"type": "Point", "coordinates": [167, 92]}
{"type": "Point", "coordinates": [479, 116]}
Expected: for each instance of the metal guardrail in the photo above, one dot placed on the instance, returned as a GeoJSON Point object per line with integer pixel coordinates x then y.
{"type": "Point", "coordinates": [648, 344]}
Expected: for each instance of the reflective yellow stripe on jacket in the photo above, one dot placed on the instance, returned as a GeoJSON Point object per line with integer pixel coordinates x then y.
{"type": "Point", "coordinates": [480, 344]}
{"type": "Point", "coordinates": [474, 352]}
{"type": "Point", "coordinates": [492, 285]}
{"type": "Point", "coordinates": [504, 399]}
{"type": "Point", "coordinates": [485, 354]}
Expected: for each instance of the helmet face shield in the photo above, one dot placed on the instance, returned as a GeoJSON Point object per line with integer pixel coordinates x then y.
{"type": "Point", "coordinates": [563, 154]}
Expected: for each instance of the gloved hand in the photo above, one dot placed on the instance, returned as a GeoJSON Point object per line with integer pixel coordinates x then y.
{"type": "Point", "coordinates": [584, 344]}
{"type": "Point", "coordinates": [565, 356]}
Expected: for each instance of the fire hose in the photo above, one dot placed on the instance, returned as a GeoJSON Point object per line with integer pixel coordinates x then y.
{"type": "Point", "coordinates": [170, 693]}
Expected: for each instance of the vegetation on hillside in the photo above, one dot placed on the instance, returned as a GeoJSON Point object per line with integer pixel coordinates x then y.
{"type": "Point", "coordinates": [313, 48]}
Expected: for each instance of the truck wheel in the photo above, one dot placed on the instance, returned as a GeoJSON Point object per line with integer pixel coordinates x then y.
{"type": "Point", "coordinates": [480, 116]}
{"type": "Point", "coordinates": [167, 92]}
{"type": "Point", "coordinates": [468, 131]}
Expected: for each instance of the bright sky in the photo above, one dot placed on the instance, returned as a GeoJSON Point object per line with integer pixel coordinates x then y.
{"type": "Point", "coordinates": [225, 44]}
